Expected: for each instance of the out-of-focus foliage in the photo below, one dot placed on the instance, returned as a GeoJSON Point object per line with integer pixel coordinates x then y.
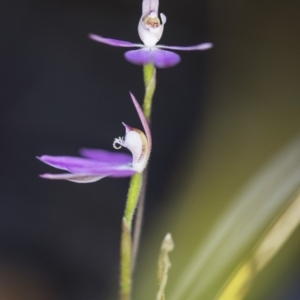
{"type": "Point", "coordinates": [276, 236]}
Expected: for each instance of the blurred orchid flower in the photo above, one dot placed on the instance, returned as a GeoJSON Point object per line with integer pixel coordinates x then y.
{"type": "Point", "coordinates": [150, 30]}
{"type": "Point", "coordinates": [98, 164]}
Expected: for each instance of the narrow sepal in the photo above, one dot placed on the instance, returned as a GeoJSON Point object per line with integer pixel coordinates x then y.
{"type": "Point", "coordinates": [106, 156]}
{"type": "Point", "coordinates": [78, 178]}
{"type": "Point", "coordinates": [143, 120]}
{"type": "Point", "coordinates": [112, 42]}
{"type": "Point", "coordinates": [86, 167]}
{"type": "Point", "coordinates": [203, 46]}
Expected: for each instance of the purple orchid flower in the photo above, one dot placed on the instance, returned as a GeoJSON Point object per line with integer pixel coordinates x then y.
{"type": "Point", "coordinates": [150, 30]}
{"type": "Point", "coordinates": [98, 164]}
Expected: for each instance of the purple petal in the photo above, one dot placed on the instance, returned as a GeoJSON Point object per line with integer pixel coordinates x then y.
{"type": "Point", "coordinates": [112, 42]}
{"type": "Point", "coordinates": [165, 59]}
{"type": "Point", "coordinates": [68, 163]}
{"type": "Point", "coordinates": [106, 156]}
{"type": "Point", "coordinates": [79, 165]}
{"type": "Point", "coordinates": [122, 173]}
{"type": "Point", "coordinates": [78, 178]}
{"type": "Point", "coordinates": [139, 57]}
{"type": "Point", "coordinates": [203, 46]}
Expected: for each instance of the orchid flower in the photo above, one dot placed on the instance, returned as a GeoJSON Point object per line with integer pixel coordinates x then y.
{"type": "Point", "coordinates": [98, 164]}
{"type": "Point", "coordinates": [150, 29]}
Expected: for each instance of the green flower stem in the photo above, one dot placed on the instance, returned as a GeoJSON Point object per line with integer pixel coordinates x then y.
{"type": "Point", "coordinates": [126, 243]}
{"type": "Point", "coordinates": [150, 84]}
{"type": "Point", "coordinates": [138, 221]}
{"type": "Point", "coordinates": [126, 280]}
{"type": "Point", "coordinates": [132, 197]}
{"type": "Point", "coordinates": [135, 197]}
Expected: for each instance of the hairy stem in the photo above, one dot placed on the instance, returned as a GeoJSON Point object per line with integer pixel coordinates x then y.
{"type": "Point", "coordinates": [138, 222]}
{"type": "Point", "coordinates": [150, 85]}
{"type": "Point", "coordinates": [125, 279]}
{"type": "Point", "coordinates": [126, 243]}
{"type": "Point", "coordinates": [135, 198]}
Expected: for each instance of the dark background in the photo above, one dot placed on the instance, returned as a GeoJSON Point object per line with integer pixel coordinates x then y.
{"type": "Point", "coordinates": [60, 91]}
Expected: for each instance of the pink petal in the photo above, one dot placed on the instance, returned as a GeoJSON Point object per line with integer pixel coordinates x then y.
{"type": "Point", "coordinates": [106, 156]}
{"type": "Point", "coordinates": [139, 57]}
{"type": "Point", "coordinates": [203, 46]}
{"type": "Point", "coordinates": [112, 42]}
{"type": "Point", "coordinates": [165, 59]}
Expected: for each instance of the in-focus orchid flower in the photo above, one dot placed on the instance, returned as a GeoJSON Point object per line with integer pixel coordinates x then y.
{"type": "Point", "coordinates": [98, 164]}
{"type": "Point", "coordinates": [150, 30]}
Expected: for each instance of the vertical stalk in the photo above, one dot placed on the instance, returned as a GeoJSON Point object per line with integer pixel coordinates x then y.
{"type": "Point", "coordinates": [126, 280]}
{"type": "Point", "coordinates": [150, 85]}
{"type": "Point", "coordinates": [132, 197]}
{"type": "Point", "coordinates": [135, 197]}
{"type": "Point", "coordinates": [126, 243]}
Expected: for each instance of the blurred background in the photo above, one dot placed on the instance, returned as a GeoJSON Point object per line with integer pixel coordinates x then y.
{"type": "Point", "coordinates": [218, 118]}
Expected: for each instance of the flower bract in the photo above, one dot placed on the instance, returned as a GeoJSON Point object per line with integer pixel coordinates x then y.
{"type": "Point", "coordinates": [97, 164]}
{"type": "Point", "coordinates": [150, 29]}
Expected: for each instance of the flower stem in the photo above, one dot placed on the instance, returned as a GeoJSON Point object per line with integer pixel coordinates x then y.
{"type": "Point", "coordinates": [150, 85]}
{"type": "Point", "coordinates": [135, 197]}
{"type": "Point", "coordinates": [132, 197]}
{"type": "Point", "coordinates": [138, 222]}
{"type": "Point", "coordinates": [126, 243]}
{"type": "Point", "coordinates": [125, 262]}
